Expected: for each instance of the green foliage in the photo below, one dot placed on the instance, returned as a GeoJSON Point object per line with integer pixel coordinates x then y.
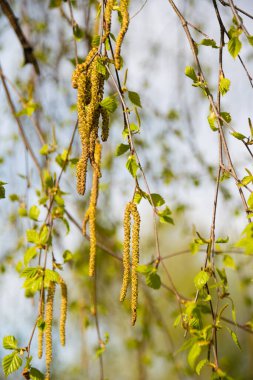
{"type": "Point", "coordinates": [234, 46]}
{"type": "Point", "coordinates": [201, 279]}
{"type": "Point", "coordinates": [153, 280]}
{"type": "Point", "coordinates": [11, 363]}
{"type": "Point", "coordinates": [109, 103]}
{"type": "Point", "coordinates": [2, 189]}
{"type": "Point", "coordinates": [132, 165]}
{"type": "Point", "coordinates": [134, 98]}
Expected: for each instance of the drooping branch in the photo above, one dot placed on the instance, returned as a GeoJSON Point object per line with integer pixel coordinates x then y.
{"type": "Point", "coordinates": [27, 47]}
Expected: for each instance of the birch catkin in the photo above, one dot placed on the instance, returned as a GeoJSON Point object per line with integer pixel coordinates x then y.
{"type": "Point", "coordinates": [41, 331]}
{"type": "Point", "coordinates": [63, 315]}
{"type": "Point", "coordinates": [135, 261]}
{"type": "Point", "coordinates": [131, 237]}
{"type": "Point", "coordinates": [126, 252]}
{"type": "Point", "coordinates": [108, 18]}
{"type": "Point", "coordinates": [48, 329]}
{"type": "Point", "coordinates": [92, 209]}
{"type": "Point", "coordinates": [124, 26]}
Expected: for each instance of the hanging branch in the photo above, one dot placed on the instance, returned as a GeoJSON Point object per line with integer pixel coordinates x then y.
{"type": "Point", "coordinates": [27, 48]}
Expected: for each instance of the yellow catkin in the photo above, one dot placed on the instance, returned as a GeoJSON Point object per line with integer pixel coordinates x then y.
{"type": "Point", "coordinates": [83, 66]}
{"type": "Point", "coordinates": [40, 331]}
{"type": "Point", "coordinates": [108, 18]}
{"type": "Point", "coordinates": [63, 315]}
{"type": "Point", "coordinates": [124, 26]}
{"type": "Point", "coordinates": [126, 251]}
{"type": "Point", "coordinates": [105, 124]}
{"type": "Point", "coordinates": [135, 260]}
{"type": "Point", "coordinates": [48, 328]}
{"type": "Point", "coordinates": [92, 210]}
{"type": "Point", "coordinates": [81, 170]}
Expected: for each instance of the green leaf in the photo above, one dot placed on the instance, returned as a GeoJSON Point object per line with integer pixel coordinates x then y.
{"type": "Point", "coordinates": [133, 128]}
{"type": "Point", "coordinates": [224, 85]}
{"type": "Point", "coordinates": [29, 255]}
{"type": "Point", "coordinates": [222, 240]}
{"type": "Point", "coordinates": [228, 261]}
{"type": "Point", "coordinates": [138, 196]}
{"type": "Point", "coordinates": [28, 109]}
{"type": "Point", "coordinates": [145, 269]}
{"type": "Point", "coordinates": [67, 256]}
{"type": "Point", "coordinates": [35, 374]}
{"type": "Point", "coordinates": [78, 32]}
{"type": "Point", "coordinates": [14, 197]}
{"type": "Point", "coordinates": [250, 39]}
{"type": "Point", "coordinates": [32, 236]}
{"type": "Point", "coordinates": [10, 343]}
{"type": "Point", "coordinates": [153, 280]}
{"type": "Point", "coordinates": [101, 68]}
{"type": "Point", "coordinates": [234, 337]}
{"type": "Point", "coordinates": [226, 116]}
{"type": "Point", "coordinates": [190, 72]}
{"type": "Point", "coordinates": [201, 279]}
{"type": "Point", "coordinates": [55, 3]}
{"type": "Point", "coordinates": [109, 103]}
{"type": "Point", "coordinates": [194, 353]}
{"type": "Point", "coordinates": [134, 98]}
{"type": "Point", "coordinates": [157, 199]}
{"type": "Point", "coordinates": [208, 42]}
{"type": "Point", "coordinates": [234, 46]}
{"type": "Point", "coordinates": [165, 216]}
{"type": "Point", "coordinates": [250, 201]}
{"type": "Point", "coordinates": [44, 150]}
{"type": "Point", "coordinates": [211, 120]}
{"type": "Point", "coordinates": [200, 365]}
{"type": "Point", "coordinates": [34, 213]}
{"type": "Point", "coordinates": [95, 40]}
{"type": "Point", "coordinates": [11, 363]}
{"type": "Point", "coordinates": [2, 192]}
{"type": "Point", "coordinates": [238, 135]}
{"type": "Point", "coordinates": [132, 165]}
{"type": "Point", "coordinates": [44, 235]}
{"type": "Point", "coordinates": [51, 275]}
{"type": "Point", "coordinates": [30, 272]}
{"type": "Point", "coordinates": [121, 149]}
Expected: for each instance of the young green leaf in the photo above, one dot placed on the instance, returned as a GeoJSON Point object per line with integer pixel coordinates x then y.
{"type": "Point", "coordinates": [157, 199]}
{"type": "Point", "coordinates": [224, 85]}
{"type": "Point", "coordinates": [32, 236]}
{"type": "Point", "coordinates": [11, 363]}
{"type": "Point", "coordinates": [153, 280]}
{"type": "Point", "coordinates": [34, 213]}
{"type": "Point", "coordinates": [121, 149]}
{"type": "Point", "coordinates": [234, 46]}
{"type": "Point", "coordinates": [29, 255]}
{"type": "Point", "coordinates": [35, 374]}
{"type": "Point", "coordinates": [109, 103]}
{"type": "Point", "coordinates": [200, 365]}
{"type": "Point", "coordinates": [238, 136]}
{"type": "Point", "coordinates": [194, 353]}
{"type": "Point", "coordinates": [208, 42]}
{"type": "Point", "coordinates": [134, 98]}
{"type": "Point", "coordinates": [201, 279]}
{"type": "Point", "coordinates": [165, 216]}
{"type": "Point", "coordinates": [132, 165]}
{"type": "Point", "coordinates": [190, 72]}
{"type": "Point", "coordinates": [10, 343]}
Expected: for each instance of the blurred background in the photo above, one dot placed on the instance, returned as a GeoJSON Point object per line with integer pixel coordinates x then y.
{"type": "Point", "coordinates": [179, 153]}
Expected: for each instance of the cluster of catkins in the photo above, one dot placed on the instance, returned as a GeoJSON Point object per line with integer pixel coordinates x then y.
{"type": "Point", "coordinates": [131, 210]}
{"type": "Point", "coordinates": [46, 313]}
{"type": "Point", "coordinates": [89, 82]}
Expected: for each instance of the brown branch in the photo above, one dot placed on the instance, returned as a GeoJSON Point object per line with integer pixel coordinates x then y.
{"type": "Point", "coordinates": [226, 4]}
{"type": "Point", "coordinates": [27, 48]}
